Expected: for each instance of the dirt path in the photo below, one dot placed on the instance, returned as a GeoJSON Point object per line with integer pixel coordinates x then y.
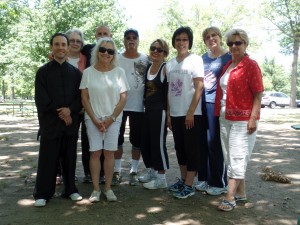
{"type": "Point", "coordinates": [270, 203]}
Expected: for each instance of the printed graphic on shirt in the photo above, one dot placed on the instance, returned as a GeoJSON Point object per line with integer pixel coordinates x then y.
{"type": "Point", "coordinates": [139, 73]}
{"type": "Point", "coordinates": [176, 87]}
{"type": "Point", "coordinates": [209, 79]}
{"type": "Point", "coordinates": [151, 88]}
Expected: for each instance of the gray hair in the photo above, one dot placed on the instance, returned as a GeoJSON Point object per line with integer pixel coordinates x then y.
{"type": "Point", "coordinates": [94, 58]}
{"type": "Point", "coordinates": [237, 32]}
{"type": "Point", "coordinates": [76, 31]}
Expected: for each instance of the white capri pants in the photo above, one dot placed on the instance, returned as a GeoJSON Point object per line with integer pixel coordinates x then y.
{"type": "Point", "coordinates": [103, 140]}
{"type": "Point", "coordinates": [237, 146]}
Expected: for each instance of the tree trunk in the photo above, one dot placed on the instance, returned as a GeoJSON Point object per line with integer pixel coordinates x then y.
{"type": "Point", "coordinates": [294, 74]}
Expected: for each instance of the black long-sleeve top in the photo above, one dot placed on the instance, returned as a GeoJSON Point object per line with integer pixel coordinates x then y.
{"type": "Point", "coordinates": [56, 86]}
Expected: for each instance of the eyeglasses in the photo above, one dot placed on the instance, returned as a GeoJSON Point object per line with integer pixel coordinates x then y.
{"type": "Point", "coordinates": [108, 50]}
{"type": "Point", "coordinates": [236, 43]}
{"type": "Point", "coordinates": [183, 40]}
{"type": "Point", "coordinates": [73, 41]}
{"type": "Point", "coordinates": [131, 38]}
{"type": "Point", "coordinates": [159, 50]}
{"type": "Point", "coordinates": [211, 36]}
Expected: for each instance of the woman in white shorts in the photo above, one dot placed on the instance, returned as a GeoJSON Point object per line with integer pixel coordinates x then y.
{"type": "Point", "coordinates": [238, 104]}
{"type": "Point", "coordinates": [103, 91]}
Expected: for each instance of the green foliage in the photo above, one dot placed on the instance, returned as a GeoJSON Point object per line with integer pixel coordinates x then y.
{"type": "Point", "coordinates": [275, 77]}
{"type": "Point", "coordinates": [27, 30]}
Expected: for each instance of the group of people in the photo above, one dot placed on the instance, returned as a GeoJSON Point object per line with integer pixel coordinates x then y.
{"type": "Point", "coordinates": [211, 104]}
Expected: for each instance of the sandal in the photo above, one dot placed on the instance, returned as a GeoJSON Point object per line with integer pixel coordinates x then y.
{"type": "Point", "coordinates": [226, 205]}
{"type": "Point", "coordinates": [238, 198]}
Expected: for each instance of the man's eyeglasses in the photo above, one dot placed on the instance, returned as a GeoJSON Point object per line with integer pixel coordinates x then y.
{"type": "Point", "coordinates": [159, 50]}
{"type": "Point", "coordinates": [73, 41]}
{"type": "Point", "coordinates": [131, 38]}
{"type": "Point", "coordinates": [236, 43]}
{"type": "Point", "coordinates": [108, 50]}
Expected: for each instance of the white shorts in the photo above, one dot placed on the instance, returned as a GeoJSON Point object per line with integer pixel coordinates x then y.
{"type": "Point", "coordinates": [103, 140]}
{"type": "Point", "coordinates": [237, 146]}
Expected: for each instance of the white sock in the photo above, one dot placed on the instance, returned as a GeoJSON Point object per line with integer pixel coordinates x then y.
{"type": "Point", "coordinates": [161, 176]}
{"type": "Point", "coordinates": [134, 165]}
{"type": "Point", "coordinates": [118, 164]}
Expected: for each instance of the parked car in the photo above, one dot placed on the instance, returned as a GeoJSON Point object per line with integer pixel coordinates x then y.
{"type": "Point", "coordinates": [298, 103]}
{"type": "Point", "coordinates": [274, 98]}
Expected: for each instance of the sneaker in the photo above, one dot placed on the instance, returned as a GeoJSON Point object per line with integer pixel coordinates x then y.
{"type": "Point", "coordinates": [76, 197]}
{"type": "Point", "coordinates": [156, 184]}
{"type": "Point", "coordinates": [87, 179]}
{"type": "Point", "coordinates": [177, 186]}
{"type": "Point", "coordinates": [201, 186]}
{"type": "Point", "coordinates": [216, 190]}
{"type": "Point", "coordinates": [185, 192]}
{"type": "Point", "coordinates": [102, 180]}
{"type": "Point", "coordinates": [110, 196]}
{"type": "Point", "coordinates": [40, 202]}
{"type": "Point", "coordinates": [133, 179]}
{"type": "Point", "coordinates": [116, 180]}
{"type": "Point", "coordinates": [95, 196]}
{"type": "Point", "coordinates": [147, 177]}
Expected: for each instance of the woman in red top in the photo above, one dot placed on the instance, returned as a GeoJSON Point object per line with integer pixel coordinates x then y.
{"type": "Point", "coordinates": [238, 102]}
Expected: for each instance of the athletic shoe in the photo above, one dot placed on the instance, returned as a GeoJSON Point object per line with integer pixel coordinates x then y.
{"type": "Point", "coordinates": [87, 179]}
{"type": "Point", "coordinates": [116, 180]}
{"type": "Point", "coordinates": [76, 197]}
{"type": "Point", "coordinates": [185, 192]}
{"type": "Point", "coordinates": [156, 184]}
{"type": "Point", "coordinates": [40, 202]}
{"type": "Point", "coordinates": [110, 196]}
{"type": "Point", "coordinates": [95, 196]}
{"type": "Point", "coordinates": [147, 177]}
{"type": "Point", "coordinates": [216, 190]}
{"type": "Point", "coordinates": [177, 186]}
{"type": "Point", "coordinates": [133, 181]}
{"type": "Point", "coordinates": [201, 186]}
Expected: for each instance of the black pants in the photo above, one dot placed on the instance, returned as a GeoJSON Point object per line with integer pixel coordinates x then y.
{"type": "Point", "coordinates": [63, 149]}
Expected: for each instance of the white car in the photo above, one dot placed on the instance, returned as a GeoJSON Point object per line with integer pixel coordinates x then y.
{"type": "Point", "coordinates": [273, 99]}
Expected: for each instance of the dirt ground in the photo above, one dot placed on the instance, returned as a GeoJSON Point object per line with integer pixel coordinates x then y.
{"type": "Point", "coordinates": [270, 203]}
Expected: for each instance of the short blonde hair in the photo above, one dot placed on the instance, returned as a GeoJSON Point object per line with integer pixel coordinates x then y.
{"type": "Point", "coordinates": [237, 32]}
{"type": "Point", "coordinates": [94, 58]}
{"type": "Point", "coordinates": [213, 29]}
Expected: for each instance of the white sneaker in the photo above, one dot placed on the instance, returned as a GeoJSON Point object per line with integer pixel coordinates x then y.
{"type": "Point", "coordinates": [95, 196]}
{"type": "Point", "coordinates": [76, 197]}
{"type": "Point", "coordinates": [156, 184]}
{"type": "Point", "coordinates": [40, 202]}
{"type": "Point", "coordinates": [110, 196]}
{"type": "Point", "coordinates": [216, 191]}
{"type": "Point", "coordinates": [147, 177]}
{"type": "Point", "coordinates": [201, 186]}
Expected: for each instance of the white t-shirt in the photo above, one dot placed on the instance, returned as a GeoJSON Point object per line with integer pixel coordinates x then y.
{"type": "Point", "coordinates": [135, 70]}
{"type": "Point", "coordinates": [73, 61]}
{"type": "Point", "coordinates": [104, 90]}
{"type": "Point", "coordinates": [223, 84]}
{"type": "Point", "coordinates": [181, 84]}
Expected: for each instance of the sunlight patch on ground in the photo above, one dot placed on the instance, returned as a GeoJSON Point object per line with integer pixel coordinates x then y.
{"type": "Point", "coordinates": [154, 209]}
{"type": "Point", "coordinates": [25, 202]}
{"type": "Point", "coordinates": [140, 216]}
{"type": "Point", "coordinates": [184, 222]}
{"type": "Point", "coordinates": [4, 157]}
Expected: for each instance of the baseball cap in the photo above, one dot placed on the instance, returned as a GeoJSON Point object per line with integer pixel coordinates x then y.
{"type": "Point", "coordinates": [131, 30]}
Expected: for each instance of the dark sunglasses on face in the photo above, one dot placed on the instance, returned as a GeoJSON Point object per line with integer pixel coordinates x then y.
{"type": "Point", "coordinates": [131, 38]}
{"type": "Point", "coordinates": [108, 50]}
{"type": "Point", "coordinates": [153, 48]}
{"type": "Point", "coordinates": [236, 43]}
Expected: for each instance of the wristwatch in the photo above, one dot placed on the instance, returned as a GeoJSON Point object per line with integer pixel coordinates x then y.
{"type": "Point", "coordinates": [113, 118]}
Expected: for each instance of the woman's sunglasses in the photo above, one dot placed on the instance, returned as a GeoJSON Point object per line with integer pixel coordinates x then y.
{"type": "Point", "coordinates": [236, 43]}
{"type": "Point", "coordinates": [108, 50]}
{"type": "Point", "coordinates": [159, 50]}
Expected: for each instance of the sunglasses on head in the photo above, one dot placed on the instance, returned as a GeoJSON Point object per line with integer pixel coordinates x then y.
{"type": "Point", "coordinates": [108, 50]}
{"type": "Point", "coordinates": [236, 43]}
{"type": "Point", "coordinates": [153, 48]}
